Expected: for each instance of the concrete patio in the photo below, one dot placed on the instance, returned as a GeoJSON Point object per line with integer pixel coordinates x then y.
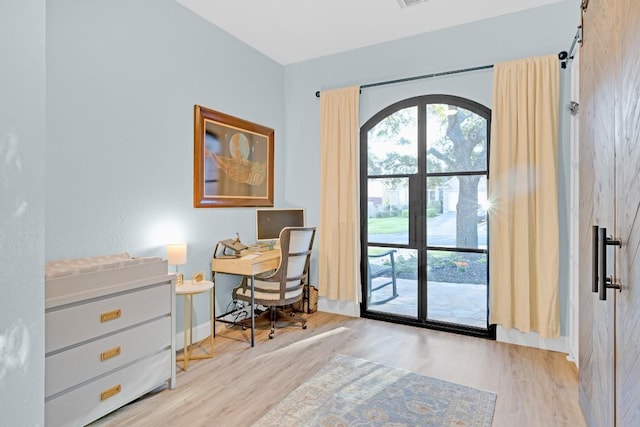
{"type": "Point", "coordinates": [460, 303]}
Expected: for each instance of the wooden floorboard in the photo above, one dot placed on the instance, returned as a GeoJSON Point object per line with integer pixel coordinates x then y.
{"type": "Point", "coordinates": [235, 388]}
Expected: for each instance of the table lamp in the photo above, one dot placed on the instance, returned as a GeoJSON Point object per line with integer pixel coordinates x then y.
{"type": "Point", "coordinates": [177, 255]}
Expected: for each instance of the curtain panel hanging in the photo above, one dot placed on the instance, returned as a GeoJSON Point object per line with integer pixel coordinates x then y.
{"type": "Point", "coordinates": [523, 176]}
{"type": "Point", "coordinates": [339, 231]}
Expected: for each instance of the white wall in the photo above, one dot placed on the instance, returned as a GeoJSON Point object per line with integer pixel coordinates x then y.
{"type": "Point", "coordinates": [541, 31]}
{"type": "Point", "coordinates": [122, 81]}
{"type": "Point", "coordinates": [22, 132]}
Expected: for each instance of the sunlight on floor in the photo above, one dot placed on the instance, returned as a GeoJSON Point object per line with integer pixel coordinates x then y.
{"type": "Point", "coordinates": [305, 342]}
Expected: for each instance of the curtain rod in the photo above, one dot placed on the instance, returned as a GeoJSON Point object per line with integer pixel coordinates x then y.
{"type": "Point", "coordinates": [565, 56]}
{"type": "Point", "coordinates": [425, 76]}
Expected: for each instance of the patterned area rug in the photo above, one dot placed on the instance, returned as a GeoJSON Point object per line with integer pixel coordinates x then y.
{"type": "Point", "coordinates": [355, 392]}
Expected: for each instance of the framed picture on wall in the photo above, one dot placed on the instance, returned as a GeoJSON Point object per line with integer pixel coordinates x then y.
{"type": "Point", "coordinates": [233, 161]}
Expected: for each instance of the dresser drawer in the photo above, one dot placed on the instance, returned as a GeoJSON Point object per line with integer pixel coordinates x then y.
{"type": "Point", "coordinates": [92, 401]}
{"type": "Point", "coordinates": [77, 323]}
{"type": "Point", "coordinates": [78, 364]}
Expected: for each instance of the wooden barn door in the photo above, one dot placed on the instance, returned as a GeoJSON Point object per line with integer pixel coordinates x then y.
{"type": "Point", "coordinates": [597, 200]}
{"type": "Point", "coordinates": [610, 198]}
{"type": "Point", "coordinates": [628, 217]}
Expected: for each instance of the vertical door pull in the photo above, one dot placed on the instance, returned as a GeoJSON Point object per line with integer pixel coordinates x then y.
{"type": "Point", "coordinates": [594, 262]}
{"type": "Point", "coordinates": [606, 282]}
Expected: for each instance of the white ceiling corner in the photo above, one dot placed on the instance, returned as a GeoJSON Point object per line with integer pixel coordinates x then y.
{"type": "Point", "coordinates": [290, 31]}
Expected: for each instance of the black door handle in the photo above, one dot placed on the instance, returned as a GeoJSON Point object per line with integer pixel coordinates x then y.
{"type": "Point", "coordinates": [594, 262]}
{"type": "Point", "coordinates": [603, 264]}
{"type": "Point", "coordinates": [606, 282]}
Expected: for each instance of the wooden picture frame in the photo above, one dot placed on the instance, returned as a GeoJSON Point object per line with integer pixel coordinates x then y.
{"type": "Point", "coordinates": [232, 162]}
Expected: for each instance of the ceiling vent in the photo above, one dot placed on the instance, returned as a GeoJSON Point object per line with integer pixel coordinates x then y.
{"type": "Point", "coordinates": [407, 3]}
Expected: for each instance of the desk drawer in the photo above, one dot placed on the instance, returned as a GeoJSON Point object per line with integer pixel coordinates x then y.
{"type": "Point", "coordinates": [92, 401]}
{"type": "Point", "coordinates": [264, 266]}
{"type": "Point", "coordinates": [68, 368]}
{"type": "Point", "coordinates": [78, 323]}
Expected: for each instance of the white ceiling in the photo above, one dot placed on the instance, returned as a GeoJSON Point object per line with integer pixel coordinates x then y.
{"type": "Point", "coordinates": [291, 31]}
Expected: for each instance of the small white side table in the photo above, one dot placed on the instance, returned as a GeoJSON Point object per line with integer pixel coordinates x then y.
{"type": "Point", "coordinates": [188, 289]}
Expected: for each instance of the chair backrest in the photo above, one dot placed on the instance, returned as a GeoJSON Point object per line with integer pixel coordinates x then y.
{"type": "Point", "coordinates": [296, 244]}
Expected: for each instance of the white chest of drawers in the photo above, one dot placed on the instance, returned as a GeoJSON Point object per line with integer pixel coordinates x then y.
{"type": "Point", "coordinates": [109, 339]}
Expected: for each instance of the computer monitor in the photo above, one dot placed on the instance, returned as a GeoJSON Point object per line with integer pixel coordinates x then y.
{"type": "Point", "coordinates": [269, 222]}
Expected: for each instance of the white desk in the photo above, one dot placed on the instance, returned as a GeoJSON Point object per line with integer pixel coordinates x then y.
{"type": "Point", "coordinates": [188, 289]}
{"type": "Point", "coordinates": [248, 266]}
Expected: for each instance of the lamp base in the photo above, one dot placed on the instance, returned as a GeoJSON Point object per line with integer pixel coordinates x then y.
{"type": "Point", "coordinates": [179, 278]}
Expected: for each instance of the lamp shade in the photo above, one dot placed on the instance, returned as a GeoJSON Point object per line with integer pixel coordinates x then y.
{"type": "Point", "coordinates": [177, 253]}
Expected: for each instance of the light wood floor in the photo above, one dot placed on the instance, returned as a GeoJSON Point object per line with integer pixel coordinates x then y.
{"type": "Point", "coordinates": [236, 387]}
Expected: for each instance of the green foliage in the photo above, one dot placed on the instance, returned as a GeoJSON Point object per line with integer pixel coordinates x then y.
{"type": "Point", "coordinates": [388, 225]}
{"type": "Point", "coordinates": [440, 259]}
{"type": "Point", "coordinates": [436, 205]}
{"type": "Point", "coordinates": [389, 132]}
{"type": "Point", "coordinates": [392, 125]}
{"type": "Point", "coordinates": [373, 164]}
{"type": "Point", "coordinates": [383, 214]}
{"type": "Point", "coordinates": [399, 163]}
{"type": "Point", "coordinates": [461, 261]}
{"type": "Point", "coordinates": [457, 267]}
{"type": "Point", "coordinates": [463, 144]}
{"type": "Point", "coordinates": [407, 266]}
{"type": "Point", "coordinates": [457, 141]}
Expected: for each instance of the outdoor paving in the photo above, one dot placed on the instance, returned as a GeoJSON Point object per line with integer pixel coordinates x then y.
{"type": "Point", "coordinates": [459, 303]}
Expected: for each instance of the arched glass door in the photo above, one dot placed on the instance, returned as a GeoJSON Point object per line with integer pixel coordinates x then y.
{"type": "Point", "coordinates": [424, 170]}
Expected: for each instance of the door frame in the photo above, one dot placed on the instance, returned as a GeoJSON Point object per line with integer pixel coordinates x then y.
{"type": "Point", "coordinates": [417, 221]}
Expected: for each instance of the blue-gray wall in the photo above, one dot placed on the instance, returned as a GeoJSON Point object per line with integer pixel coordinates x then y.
{"type": "Point", "coordinates": [122, 81]}
{"type": "Point", "coordinates": [541, 31]}
{"type": "Point", "coordinates": [22, 145]}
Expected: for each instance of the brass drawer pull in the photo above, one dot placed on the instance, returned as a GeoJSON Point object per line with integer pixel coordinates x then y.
{"type": "Point", "coordinates": [111, 315]}
{"type": "Point", "coordinates": [109, 354]}
{"type": "Point", "coordinates": [111, 392]}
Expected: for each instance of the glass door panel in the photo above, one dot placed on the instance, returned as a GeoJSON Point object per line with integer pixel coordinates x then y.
{"type": "Point", "coordinates": [456, 140]}
{"type": "Point", "coordinates": [388, 210]}
{"type": "Point", "coordinates": [457, 287]}
{"type": "Point", "coordinates": [424, 214]}
{"type": "Point", "coordinates": [457, 211]}
{"type": "Point", "coordinates": [392, 281]}
{"type": "Point", "coordinates": [392, 144]}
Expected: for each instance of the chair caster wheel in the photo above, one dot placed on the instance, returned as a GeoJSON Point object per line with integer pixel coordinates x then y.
{"type": "Point", "coordinates": [271, 335]}
{"type": "Point", "coordinates": [304, 326]}
{"type": "Point", "coordinates": [244, 328]}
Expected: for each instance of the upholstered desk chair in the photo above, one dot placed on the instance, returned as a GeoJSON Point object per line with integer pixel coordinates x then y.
{"type": "Point", "coordinates": [284, 286]}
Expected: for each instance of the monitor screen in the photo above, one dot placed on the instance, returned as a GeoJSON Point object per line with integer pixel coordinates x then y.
{"type": "Point", "coordinates": [269, 222]}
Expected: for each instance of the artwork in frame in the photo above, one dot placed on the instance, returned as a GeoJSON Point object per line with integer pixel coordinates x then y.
{"type": "Point", "coordinates": [233, 161]}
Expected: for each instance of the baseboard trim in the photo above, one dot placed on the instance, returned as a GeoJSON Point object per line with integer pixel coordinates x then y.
{"type": "Point", "coordinates": [345, 308]}
{"type": "Point", "coordinates": [531, 339]}
{"type": "Point", "coordinates": [200, 332]}
{"type": "Point", "coordinates": [511, 336]}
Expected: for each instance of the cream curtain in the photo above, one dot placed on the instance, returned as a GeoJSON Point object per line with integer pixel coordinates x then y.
{"type": "Point", "coordinates": [339, 231]}
{"type": "Point", "coordinates": [523, 177]}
